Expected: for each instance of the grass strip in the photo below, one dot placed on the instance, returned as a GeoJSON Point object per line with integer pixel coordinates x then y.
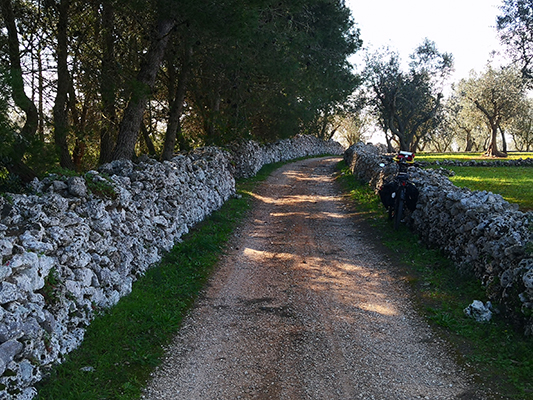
{"type": "Point", "coordinates": [495, 352]}
{"type": "Point", "coordinates": [124, 344]}
{"type": "Point", "coordinates": [463, 156]}
{"type": "Point", "coordinates": [515, 184]}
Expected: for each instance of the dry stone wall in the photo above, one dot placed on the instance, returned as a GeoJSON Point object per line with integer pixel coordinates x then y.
{"type": "Point", "coordinates": [67, 251]}
{"type": "Point", "coordinates": [249, 156]}
{"type": "Point", "coordinates": [480, 231]}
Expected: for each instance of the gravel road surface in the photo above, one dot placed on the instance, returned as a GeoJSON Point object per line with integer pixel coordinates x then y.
{"type": "Point", "coordinates": [306, 305]}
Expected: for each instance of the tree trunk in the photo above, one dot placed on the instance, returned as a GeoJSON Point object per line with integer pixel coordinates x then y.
{"type": "Point", "coordinates": [333, 132]}
{"type": "Point", "coordinates": [493, 123]}
{"type": "Point", "coordinates": [404, 146]}
{"type": "Point", "coordinates": [131, 122]}
{"type": "Point", "coordinates": [183, 144]}
{"type": "Point", "coordinates": [493, 147]}
{"type": "Point", "coordinates": [469, 141]}
{"type": "Point", "coordinates": [18, 168]}
{"type": "Point", "coordinates": [176, 108]}
{"type": "Point", "coordinates": [78, 153]}
{"type": "Point", "coordinates": [27, 133]}
{"type": "Point", "coordinates": [108, 83]}
{"type": "Point", "coordinates": [504, 141]}
{"type": "Point", "coordinates": [60, 110]}
{"type": "Point", "coordinates": [148, 140]}
{"type": "Point", "coordinates": [209, 122]}
{"type": "Point", "coordinates": [388, 140]}
{"type": "Point", "coordinates": [40, 71]}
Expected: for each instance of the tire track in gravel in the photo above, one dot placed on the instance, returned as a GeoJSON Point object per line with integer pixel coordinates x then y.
{"type": "Point", "coordinates": [304, 305]}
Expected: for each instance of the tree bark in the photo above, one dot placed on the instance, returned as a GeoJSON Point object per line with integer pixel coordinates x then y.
{"type": "Point", "coordinates": [333, 132]}
{"type": "Point", "coordinates": [493, 146]}
{"type": "Point", "coordinates": [131, 122]}
{"type": "Point", "coordinates": [504, 141]}
{"type": "Point", "coordinates": [148, 140]}
{"type": "Point", "coordinates": [493, 122]}
{"type": "Point", "coordinates": [176, 109]}
{"type": "Point", "coordinates": [28, 131]}
{"type": "Point", "coordinates": [469, 140]}
{"type": "Point", "coordinates": [108, 83]}
{"type": "Point", "coordinates": [210, 120]}
{"type": "Point", "coordinates": [60, 110]}
{"type": "Point", "coordinates": [388, 140]}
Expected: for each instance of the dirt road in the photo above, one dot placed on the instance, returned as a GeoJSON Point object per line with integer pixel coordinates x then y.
{"type": "Point", "coordinates": [305, 305]}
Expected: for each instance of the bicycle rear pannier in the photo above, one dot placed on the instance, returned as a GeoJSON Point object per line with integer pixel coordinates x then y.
{"type": "Point", "coordinates": [411, 192]}
{"type": "Point", "coordinates": [385, 193]}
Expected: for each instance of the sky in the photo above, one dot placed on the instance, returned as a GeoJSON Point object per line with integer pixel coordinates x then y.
{"type": "Point", "coordinates": [465, 28]}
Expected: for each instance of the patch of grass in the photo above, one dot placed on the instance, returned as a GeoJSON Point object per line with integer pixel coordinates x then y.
{"type": "Point", "coordinates": [50, 290]}
{"type": "Point", "coordinates": [124, 344]}
{"type": "Point", "coordinates": [500, 356]}
{"type": "Point", "coordinates": [101, 187]}
{"type": "Point", "coordinates": [515, 184]}
{"type": "Point", "coordinates": [469, 156]}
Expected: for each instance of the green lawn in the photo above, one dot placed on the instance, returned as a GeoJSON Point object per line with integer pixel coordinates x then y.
{"type": "Point", "coordinates": [515, 184]}
{"type": "Point", "coordinates": [469, 156]}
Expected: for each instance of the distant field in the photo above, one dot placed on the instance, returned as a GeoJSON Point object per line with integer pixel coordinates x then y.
{"type": "Point", "coordinates": [515, 184]}
{"type": "Point", "coordinates": [469, 156]}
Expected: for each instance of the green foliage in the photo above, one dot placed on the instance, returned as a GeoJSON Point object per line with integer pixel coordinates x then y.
{"type": "Point", "coordinates": [521, 127]}
{"type": "Point", "coordinates": [51, 290]}
{"type": "Point", "coordinates": [99, 187]}
{"type": "Point", "coordinates": [10, 183]}
{"type": "Point", "coordinates": [494, 97]}
{"type": "Point", "coordinates": [515, 26]}
{"type": "Point", "coordinates": [256, 69]}
{"type": "Point", "coordinates": [406, 103]}
{"type": "Point", "coordinates": [495, 352]}
{"type": "Point", "coordinates": [61, 173]}
{"type": "Point", "coordinates": [279, 73]}
{"type": "Point", "coordinates": [7, 133]}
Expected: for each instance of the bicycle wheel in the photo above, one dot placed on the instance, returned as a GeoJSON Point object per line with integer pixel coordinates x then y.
{"type": "Point", "coordinates": [398, 212]}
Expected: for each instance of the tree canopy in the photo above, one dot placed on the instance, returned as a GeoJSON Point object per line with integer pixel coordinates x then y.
{"type": "Point", "coordinates": [407, 102]}
{"type": "Point", "coordinates": [94, 81]}
{"type": "Point", "coordinates": [515, 27]}
{"type": "Point", "coordinates": [495, 97]}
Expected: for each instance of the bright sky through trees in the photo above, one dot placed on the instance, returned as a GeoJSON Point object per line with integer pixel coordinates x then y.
{"type": "Point", "coordinates": [465, 28]}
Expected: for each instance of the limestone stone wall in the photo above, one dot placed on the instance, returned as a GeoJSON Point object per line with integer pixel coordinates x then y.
{"type": "Point", "coordinates": [480, 231]}
{"type": "Point", "coordinates": [73, 247]}
{"type": "Point", "coordinates": [249, 156]}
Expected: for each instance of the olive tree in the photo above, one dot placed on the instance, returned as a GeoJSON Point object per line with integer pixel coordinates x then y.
{"type": "Point", "coordinates": [515, 27]}
{"type": "Point", "coordinates": [464, 123]}
{"type": "Point", "coordinates": [495, 96]}
{"type": "Point", "coordinates": [407, 102]}
{"type": "Point", "coordinates": [521, 127]}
